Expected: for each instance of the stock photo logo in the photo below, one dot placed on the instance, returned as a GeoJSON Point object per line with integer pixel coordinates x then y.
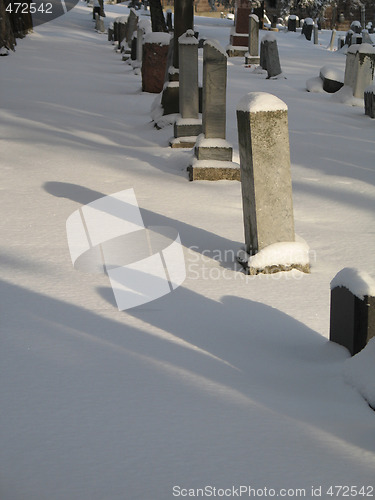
{"type": "Point", "coordinates": [41, 11]}
{"type": "Point", "coordinates": [108, 236]}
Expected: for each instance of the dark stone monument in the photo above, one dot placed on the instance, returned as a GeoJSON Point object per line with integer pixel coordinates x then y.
{"type": "Point", "coordinates": [183, 21]}
{"type": "Point", "coordinates": [352, 322]}
{"type": "Point", "coordinates": [292, 23]}
{"type": "Point", "coordinates": [370, 101]}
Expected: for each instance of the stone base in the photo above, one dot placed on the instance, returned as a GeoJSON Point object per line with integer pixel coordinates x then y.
{"type": "Point", "coordinates": [183, 142]}
{"type": "Point", "coordinates": [220, 153]}
{"type": "Point", "coordinates": [170, 98]}
{"type": "Point", "coordinates": [236, 51]}
{"type": "Point", "coordinates": [206, 170]}
{"type": "Point", "coordinates": [252, 59]}
{"type": "Point", "coordinates": [187, 127]}
{"type": "Point", "coordinates": [278, 269]}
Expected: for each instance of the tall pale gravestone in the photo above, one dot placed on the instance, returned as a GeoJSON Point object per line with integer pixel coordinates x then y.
{"type": "Point", "coordinates": [188, 124]}
{"type": "Point", "coordinates": [364, 69]}
{"type": "Point", "coordinates": [265, 171]}
{"type": "Point", "coordinates": [252, 56]}
{"type": "Point", "coordinates": [212, 153]}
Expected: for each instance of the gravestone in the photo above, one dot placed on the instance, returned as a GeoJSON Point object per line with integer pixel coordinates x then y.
{"type": "Point", "coordinates": [168, 20]}
{"type": "Point", "coordinates": [265, 171]}
{"type": "Point", "coordinates": [121, 30]}
{"type": "Point", "coordinates": [370, 101]}
{"type": "Point", "coordinates": [349, 38]}
{"type": "Point", "coordinates": [188, 124]}
{"type": "Point", "coordinates": [352, 322]}
{"type": "Point", "coordinates": [364, 69]}
{"type": "Point", "coordinates": [292, 23]}
{"type": "Point", "coordinates": [269, 58]}
{"type": "Point", "coordinates": [356, 27]}
{"type": "Point", "coordinates": [154, 60]}
{"type": "Point", "coordinates": [239, 35]}
{"type": "Point", "coordinates": [333, 35]}
{"type": "Point", "coordinates": [140, 34]}
{"type": "Point", "coordinates": [131, 26]}
{"type": "Point", "coordinates": [332, 79]}
{"type": "Point", "coordinates": [366, 38]}
{"type": "Point", "coordinates": [110, 32]}
{"type": "Point", "coordinates": [307, 28]}
{"type": "Point", "coordinates": [212, 153]}
{"type": "Point", "coordinates": [316, 35]}
{"type": "Point", "coordinates": [350, 65]}
{"type": "Point", "coordinates": [252, 56]}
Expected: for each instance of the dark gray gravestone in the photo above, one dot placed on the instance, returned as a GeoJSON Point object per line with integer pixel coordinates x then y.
{"type": "Point", "coordinates": [370, 101]}
{"type": "Point", "coordinates": [271, 56]}
{"type": "Point", "coordinates": [349, 38]}
{"type": "Point", "coordinates": [352, 322]}
{"type": "Point", "coordinates": [307, 29]}
{"type": "Point", "coordinates": [292, 23]}
{"type": "Point", "coordinates": [168, 20]}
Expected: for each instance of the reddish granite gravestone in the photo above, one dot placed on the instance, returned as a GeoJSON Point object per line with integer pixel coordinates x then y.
{"type": "Point", "coordinates": [154, 61]}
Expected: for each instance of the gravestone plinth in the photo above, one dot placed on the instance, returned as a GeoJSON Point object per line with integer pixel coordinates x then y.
{"type": "Point", "coordinates": [188, 125]}
{"type": "Point", "coordinates": [352, 322]}
{"type": "Point", "coordinates": [252, 56]}
{"type": "Point", "coordinates": [265, 171]}
{"type": "Point", "coordinates": [364, 69]}
{"type": "Point", "coordinates": [212, 153]}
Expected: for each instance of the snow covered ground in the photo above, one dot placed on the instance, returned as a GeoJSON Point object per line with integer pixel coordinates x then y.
{"type": "Point", "coordinates": [229, 380]}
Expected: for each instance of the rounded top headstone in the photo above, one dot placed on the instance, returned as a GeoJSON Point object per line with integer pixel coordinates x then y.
{"type": "Point", "coordinates": [255, 102]}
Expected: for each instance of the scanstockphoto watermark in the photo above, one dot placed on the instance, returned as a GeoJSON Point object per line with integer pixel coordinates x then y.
{"type": "Point", "coordinates": [219, 264]}
{"type": "Point", "coordinates": [108, 236]}
{"type": "Point", "coordinates": [243, 491]}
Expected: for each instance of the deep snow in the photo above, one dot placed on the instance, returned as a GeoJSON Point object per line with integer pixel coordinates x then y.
{"type": "Point", "coordinates": [229, 380]}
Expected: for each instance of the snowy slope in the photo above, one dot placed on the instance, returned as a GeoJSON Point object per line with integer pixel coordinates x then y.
{"type": "Point", "coordinates": [227, 381]}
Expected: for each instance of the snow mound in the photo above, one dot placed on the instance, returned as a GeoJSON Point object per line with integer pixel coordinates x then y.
{"type": "Point", "coordinates": [315, 85]}
{"type": "Point", "coordinates": [284, 253]}
{"type": "Point", "coordinates": [359, 372]}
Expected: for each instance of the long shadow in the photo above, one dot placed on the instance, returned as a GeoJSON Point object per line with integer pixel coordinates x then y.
{"type": "Point", "coordinates": [198, 239]}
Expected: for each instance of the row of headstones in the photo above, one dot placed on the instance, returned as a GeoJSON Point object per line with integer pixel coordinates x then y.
{"type": "Point", "coordinates": [266, 193]}
{"type": "Point", "coordinates": [268, 55]}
